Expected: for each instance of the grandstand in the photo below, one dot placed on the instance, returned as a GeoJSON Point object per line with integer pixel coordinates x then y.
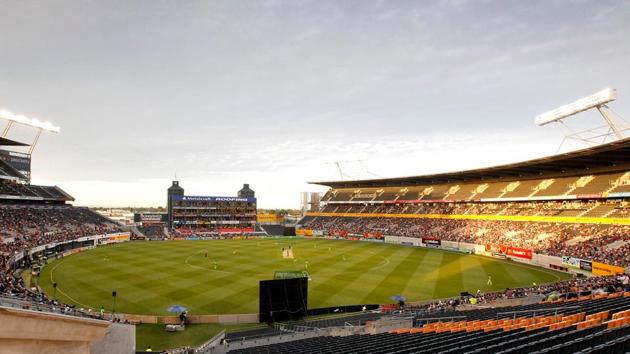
{"type": "Point", "coordinates": [591, 325]}
{"type": "Point", "coordinates": [575, 204]}
{"type": "Point", "coordinates": [36, 222]}
{"type": "Point", "coordinates": [15, 186]}
{"type": "Point", "coordinates": [36, 216]}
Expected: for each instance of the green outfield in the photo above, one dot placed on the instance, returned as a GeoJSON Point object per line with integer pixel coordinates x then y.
{"type": "Point", "coordinates": [151, 276]}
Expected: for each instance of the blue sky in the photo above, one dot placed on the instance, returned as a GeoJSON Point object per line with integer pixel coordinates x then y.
{"type": "Point", "coordinates": [270, 92]}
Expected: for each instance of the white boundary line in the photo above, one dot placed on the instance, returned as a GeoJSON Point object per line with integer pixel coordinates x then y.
{"type": "Point", "coordinates": [519, 264]}
{"type": "Point", "coordinates": [52, 281]}
{"type": "Point", "coordinates": [385, 262]}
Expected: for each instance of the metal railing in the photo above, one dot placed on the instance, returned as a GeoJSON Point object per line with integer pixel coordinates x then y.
{"type": "Point", "coordinates": [209, 346]}
{"type": "Point", "coordinates": [534, 311]}
{"type": "Point", "coordinates": [438, 319]}
{"type": "Point", "coordinates": [33, 305]}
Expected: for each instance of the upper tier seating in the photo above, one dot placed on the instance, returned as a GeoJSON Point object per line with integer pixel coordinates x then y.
{"type": "Point", "coordinates": [541, 187]}
{"type": "Point", "coordinates": [29, 191]}
{"type": "Point", "coordinates": [560, 186]}
{"type": "Point", "coordinates": [599, 184]}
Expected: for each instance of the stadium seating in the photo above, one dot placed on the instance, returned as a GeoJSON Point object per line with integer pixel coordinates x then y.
{"type": "Point", "coordinates": [352, 319]}
{"type": "Point", "coordinates": [26, 226]}
{"type": "Point", "coordinates": [590, 241]}
{"type": "Point", "coordinates": [534, 187]}
{"type": "Point", "coordinates": [24, 192]}
{"type": "Point", "coordinates": [8, 173]}
{"type": "Point", "coordinates": [153, 232]}
{"type": "Point", "coordinates": [586, 241]}
{"type": "Point", "coordinates": [596, 323]}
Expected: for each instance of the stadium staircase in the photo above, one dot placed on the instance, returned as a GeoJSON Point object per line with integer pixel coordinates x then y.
{"type": "Point", "coordinates": [134, 230]}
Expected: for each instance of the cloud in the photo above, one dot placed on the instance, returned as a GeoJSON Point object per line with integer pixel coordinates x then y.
{"type": "Point", "coordinates": [279, 173]}
{"type": "Point", "coordinates": [271, 92]}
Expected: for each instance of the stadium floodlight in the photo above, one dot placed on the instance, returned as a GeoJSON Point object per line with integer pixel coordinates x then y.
{"type": "Point", "coordinates": [31, 122]}
{"type": "Point", "coordinates": [615, 127]}
{"type": "Point", "coordinates": [595, 100]}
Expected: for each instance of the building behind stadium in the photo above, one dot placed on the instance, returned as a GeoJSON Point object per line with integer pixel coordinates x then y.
{"type": "Point", "coordinates": [191, 215]}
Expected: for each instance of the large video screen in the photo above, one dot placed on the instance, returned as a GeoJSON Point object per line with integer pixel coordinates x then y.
{"type": "Point", "coordinates": [283, 299]}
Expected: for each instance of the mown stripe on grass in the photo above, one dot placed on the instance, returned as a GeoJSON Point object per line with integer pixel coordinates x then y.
{"type": "Point", "coordinates": [426, 275]}
{"type": "Point", "coordinates": [449, 279]}
{"type": "Point", "coordinates": [476, 275]}
{"type": "Point", "coordinates": [397, 280]}
{"type": "Point", "coordinates": [332, 291]}
{"type": "Point", "coordinates": [416, 287]}
{"type": "Point", "coordinates": [152, 276]}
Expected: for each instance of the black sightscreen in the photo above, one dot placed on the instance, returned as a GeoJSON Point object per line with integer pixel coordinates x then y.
{"type": "Point", "coordinates": [283, 299]}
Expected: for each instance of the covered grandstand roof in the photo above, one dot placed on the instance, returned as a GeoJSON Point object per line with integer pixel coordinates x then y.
{"type": "Point", "coordinates": [9, 142]}
{"type": "Point", "coordinates": [602, 158]}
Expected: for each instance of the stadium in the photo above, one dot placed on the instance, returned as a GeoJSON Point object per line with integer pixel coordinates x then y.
{"type": "Point", "coordinates": [245, 103]}
{"type": "Point", "coordinates": [526, 257]}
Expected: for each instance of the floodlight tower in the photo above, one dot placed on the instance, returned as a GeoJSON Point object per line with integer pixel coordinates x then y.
{"type": "Point", "coordinates": [361, 163]}
{"type": "Point", "coordinates": [21, 160]}
{"type": "Point", "coordinates": [614, 128]}
{"type": "Point", "coordinates": [30, 122]}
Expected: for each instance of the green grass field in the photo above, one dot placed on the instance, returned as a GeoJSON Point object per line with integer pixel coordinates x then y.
{"type": "Point", "coordinates": [195, 335]}
{"type": "Point", "coordinates": [151, 276]}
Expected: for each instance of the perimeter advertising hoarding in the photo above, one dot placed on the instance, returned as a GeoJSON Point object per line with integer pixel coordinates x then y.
{"type": "Point", "coordinates": [606, 269]}
{"type": "Point", "coordinates": [571, 262]}
{"type": "Point", "coordinates": [520, 253]}
{"type": "Point", "coordinates": [586, 265]}
{"type": "Point", "coordinates": [510, 251]}
{"type": "Point", "coordinates": [115, 238]}
{"type": "Point", "coordinates": [235, 230]}
{"type": "Point", "coordinates": [304, 232]}
{"type": "Point", "coordinates": [577, 263]}
{"type": "Point", "coordinates": [432, 241]}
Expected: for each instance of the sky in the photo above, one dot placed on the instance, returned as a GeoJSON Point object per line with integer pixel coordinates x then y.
{"type": "Point", "coordinates": [272, 93]}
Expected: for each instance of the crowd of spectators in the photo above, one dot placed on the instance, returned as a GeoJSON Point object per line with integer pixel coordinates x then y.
{"type": "Point", "coordinates": [566, 289]}
{"type": "Point", "coordinates": [605, 243]}
{"type": "Point", "coordinates": [547, 208]}
{"type": "Point", "coordinates": [25, 227]}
